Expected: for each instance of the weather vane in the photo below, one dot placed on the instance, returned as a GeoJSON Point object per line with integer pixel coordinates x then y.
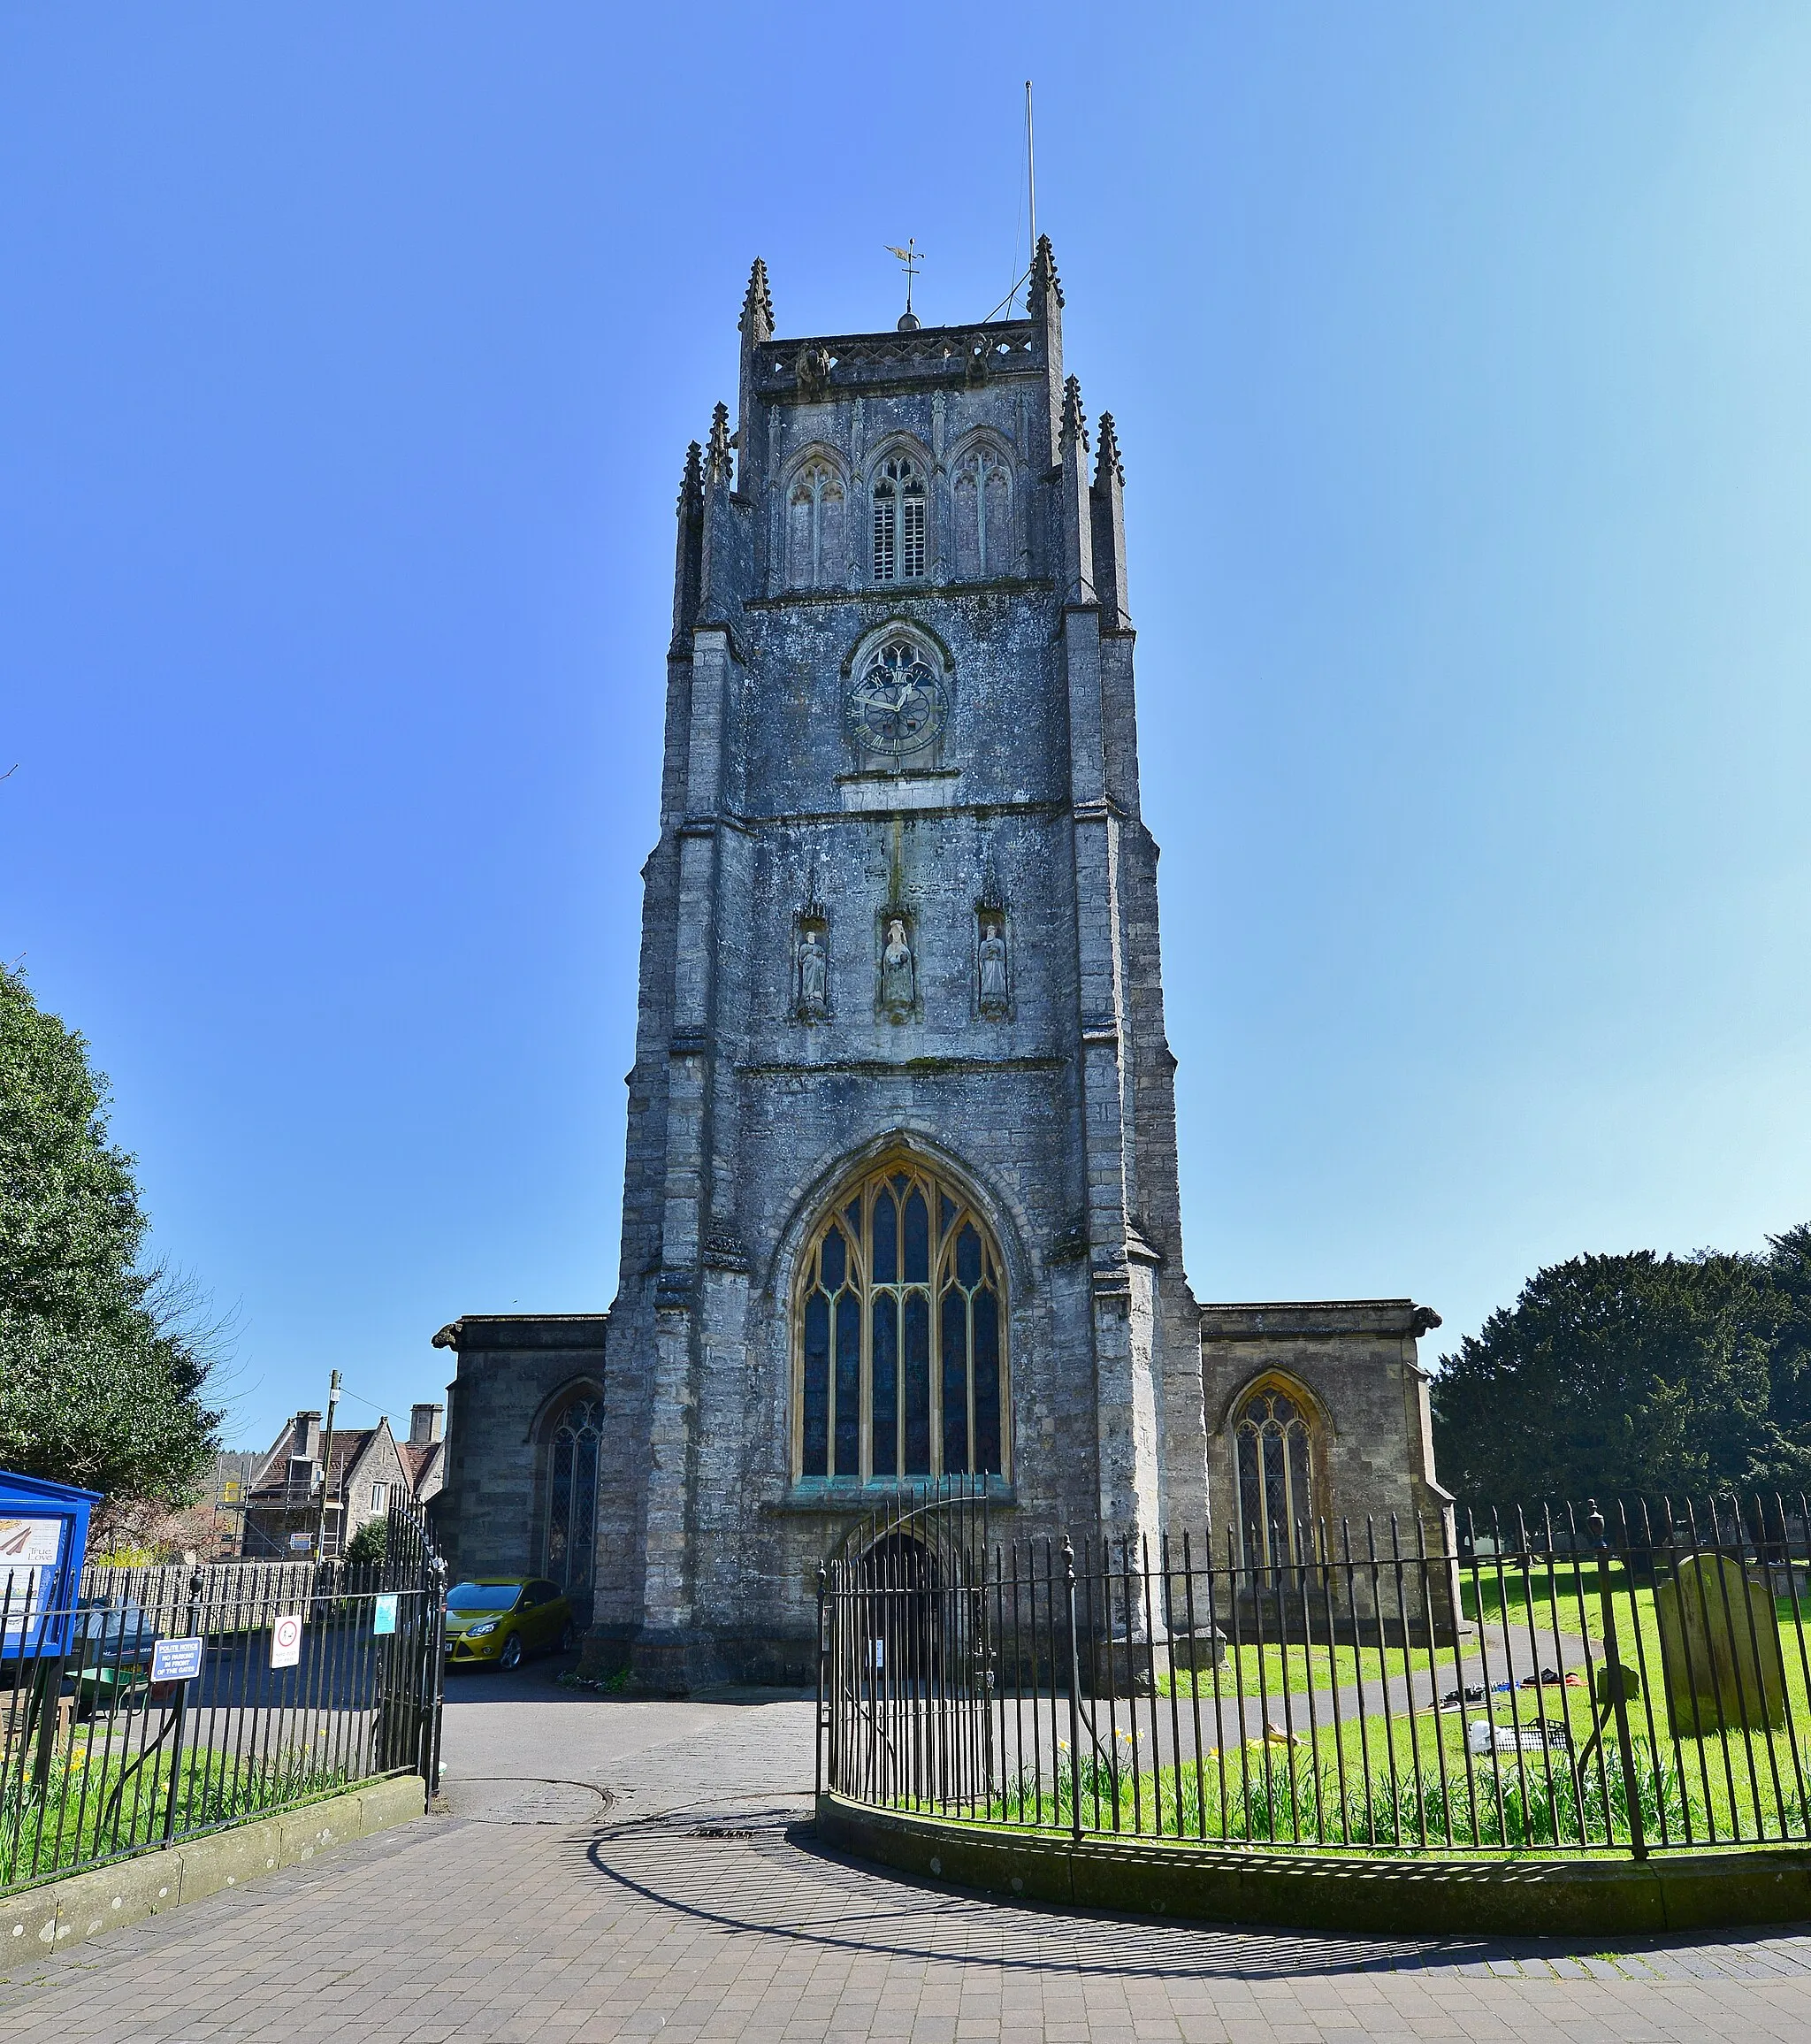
{"type": "Point", "coordinates": [911, 255]}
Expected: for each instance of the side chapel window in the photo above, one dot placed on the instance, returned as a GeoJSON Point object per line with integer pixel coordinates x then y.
{"type": "Point", "coordinates": [901, 1336]}
{"type": "Point", "coordinates": [1273, 1455]}
{"type": "Point", "coordinates": [898, 522]}
{"type": "Point", "coordinates": [571, 1531]}
{"type": "Point", "coordinates": [982, 502]}
{"type": "Point", "coordinates": [814, 542]}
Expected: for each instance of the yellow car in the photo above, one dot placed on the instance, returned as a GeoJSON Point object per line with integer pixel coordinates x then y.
{"type": "Point", "coordinates": [498, 1619]}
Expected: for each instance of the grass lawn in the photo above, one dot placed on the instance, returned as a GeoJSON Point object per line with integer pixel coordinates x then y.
{"type": "Point", "coordinates": [1557, 1597]}
{"type": "Point", "coordinates": [1378, 1784]}
{"type": "Point", "coordinates": [88, 1813]}
{"type": "Point", "coordinates": [1405, 1781]}
{"type": "Point", "coordinates": [1275, 1671]}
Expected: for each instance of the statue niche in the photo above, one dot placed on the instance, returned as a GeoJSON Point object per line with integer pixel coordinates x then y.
{"type": "Point", "coordinates": [811, 971]}
{"type": "Point", "coordinates": [991, 967]}
{"type": "Point", "coordinates": [898, 969]}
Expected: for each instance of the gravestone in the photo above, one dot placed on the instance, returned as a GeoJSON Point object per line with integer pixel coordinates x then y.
{"type": "Point", "coordinates": [1719, 1645]}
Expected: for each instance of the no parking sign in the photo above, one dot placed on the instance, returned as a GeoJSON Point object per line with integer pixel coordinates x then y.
{"type": "Point", "coordinates": [285, 1642]}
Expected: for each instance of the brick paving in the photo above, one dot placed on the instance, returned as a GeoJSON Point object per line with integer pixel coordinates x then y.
{"type": "Point", "coordinates": [694, 1905]}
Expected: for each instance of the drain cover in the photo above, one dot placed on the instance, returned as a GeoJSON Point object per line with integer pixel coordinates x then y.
{"type": "Point", "coordinates": [494, 1800]}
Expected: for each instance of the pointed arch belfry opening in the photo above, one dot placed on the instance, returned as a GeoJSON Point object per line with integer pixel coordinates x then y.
{"type": "Point", "coordinates": [899, 1317]}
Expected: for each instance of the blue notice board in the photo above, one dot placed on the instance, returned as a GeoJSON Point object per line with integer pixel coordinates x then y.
{"type": "Point", "coordinates": [43, 1541]}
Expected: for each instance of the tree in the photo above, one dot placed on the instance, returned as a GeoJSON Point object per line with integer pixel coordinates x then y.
{"type": "Point", "coordinates": [103, 1365]}
{"type": "Point", "coordinates": [371, 1542]}
{"type": "Point", "coordinates": [1635, 1375]}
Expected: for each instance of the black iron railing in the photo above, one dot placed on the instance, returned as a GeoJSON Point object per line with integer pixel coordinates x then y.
{"type": "Point", "coordinates": [1565, 1682]}
{"type": "Point", "coordinates": [306, 1681]}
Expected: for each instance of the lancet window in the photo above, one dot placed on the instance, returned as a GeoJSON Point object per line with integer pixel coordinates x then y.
{"type": "Point", "coordinates": [898, 522]}
{"type": "Point", "coordinates": [815, 540]}
{"type": "Point", "coordinates": [900, 1331]}
{"type": "Point", "coordinates": [981, 499]}
{"type": "Point", "coordinates": [1274, 1456]}
{"type": "Point", "coordinates": [571, 1437]}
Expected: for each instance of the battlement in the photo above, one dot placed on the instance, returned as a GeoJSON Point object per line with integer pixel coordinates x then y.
{"type": "Point", "coordinates": [821, 367]}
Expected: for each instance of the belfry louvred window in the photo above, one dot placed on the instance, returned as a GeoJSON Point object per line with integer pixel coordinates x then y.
{"type": "Point", "coordinates": [898, 522]}
{"type": "Point", "coordinates": [900, 1337]}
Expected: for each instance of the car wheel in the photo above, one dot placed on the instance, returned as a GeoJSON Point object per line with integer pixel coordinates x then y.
{"type": "Point", "coordinates": [511, 1655]}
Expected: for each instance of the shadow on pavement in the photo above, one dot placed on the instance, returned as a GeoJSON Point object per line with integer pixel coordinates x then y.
{"type": "Point", "coordinates": [762, 1871]}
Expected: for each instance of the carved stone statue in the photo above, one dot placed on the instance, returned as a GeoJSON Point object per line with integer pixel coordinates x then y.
{"type": "Point", "coordinates": [898, 987]}
{"type": "Point", "coordinates": [993, 969]}
{"type": "Point", "coordinates": [813, 976]}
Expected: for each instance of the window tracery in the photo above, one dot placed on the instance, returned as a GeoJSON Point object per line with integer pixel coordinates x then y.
{"type": "Point", "coordinates": [815, 548]}
{"type": "Point", "coordinates": [573, 1435]}
{"type": "Point", "coordinates": [1275, 1456]}
{"type": "Point", "coordinates": [899, 518]}
{"type": "Point", "coordinates": [901, 1336]}
{"type": "Point", "coordinates": [982, 499]}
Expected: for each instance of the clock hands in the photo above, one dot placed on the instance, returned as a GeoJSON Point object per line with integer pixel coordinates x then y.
{"type": "Point", "coordinates": [898, 711]}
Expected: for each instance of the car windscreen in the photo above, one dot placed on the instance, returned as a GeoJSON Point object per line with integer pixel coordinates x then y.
{"type": "Point", "coordinates": [482, 1596]}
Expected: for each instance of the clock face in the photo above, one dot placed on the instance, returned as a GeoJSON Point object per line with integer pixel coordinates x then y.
{"type": "Point", "coordinates": [898, 705]}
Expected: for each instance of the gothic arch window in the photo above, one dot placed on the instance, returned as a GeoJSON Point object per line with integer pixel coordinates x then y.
{"type": "Point", "coordinates": [815, 545]}
{"type": "Point", "coordinates": [900, 1335]}
{"type": "Point", "coordinates": [982, 499]}
{"type": "Point", "coordinates": [1278, 1459]}
{"type": "Point", "coordinates": [900, 514]}
{"type": "Point", "coordinates": [571, 1436]}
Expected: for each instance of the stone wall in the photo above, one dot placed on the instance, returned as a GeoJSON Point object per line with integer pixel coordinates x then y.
{"type": "Point", "coordinates": [511, 1369]}
{"type": "Point", "coordinates": [1366, 1396]}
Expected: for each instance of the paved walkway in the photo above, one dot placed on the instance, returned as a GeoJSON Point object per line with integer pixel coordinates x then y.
{"type": "Point", "coordinates": [624, 1870]}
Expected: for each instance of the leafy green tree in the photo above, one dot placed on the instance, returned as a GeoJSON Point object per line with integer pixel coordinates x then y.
{"type": "Point", "coordinates": [1624, 1376]}
{"type": "Point", "coordinates": [371, 1542]}
{"type": "Point", "coordinates": [103, 1365]}
{"type": "Point", "coordinates": [1781, 1458]}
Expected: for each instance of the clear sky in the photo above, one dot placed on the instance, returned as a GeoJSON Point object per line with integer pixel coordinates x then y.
{"type": "Point", "coordinates": [1462, 361]}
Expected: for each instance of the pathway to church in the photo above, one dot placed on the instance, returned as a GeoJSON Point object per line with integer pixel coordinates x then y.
{"type": "Point", "coordinates": [612, 1869]}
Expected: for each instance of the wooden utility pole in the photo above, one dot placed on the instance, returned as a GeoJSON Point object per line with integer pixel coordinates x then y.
{"type": "Point", "coordinates": [326, 1469]}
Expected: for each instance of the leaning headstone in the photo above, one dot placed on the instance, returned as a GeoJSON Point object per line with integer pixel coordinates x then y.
{"type": "Point", "coordinates": [1719, 1647]}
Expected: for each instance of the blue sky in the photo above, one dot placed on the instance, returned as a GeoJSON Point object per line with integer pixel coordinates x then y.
{"type": "Point", "coordinates": [347, 356]}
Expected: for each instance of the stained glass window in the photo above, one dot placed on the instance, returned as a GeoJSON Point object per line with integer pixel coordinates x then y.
{"type": "Point", "coordinates": [901, 1337]}
{"type": "Point", "coordinates": [572, 1495]}
{"type": "Point", "coordinates": [1273, 1455]}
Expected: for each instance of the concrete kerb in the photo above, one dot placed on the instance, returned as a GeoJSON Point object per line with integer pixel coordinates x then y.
{"type": "Point", "coordinates": [86, 1905]}
{"type": "Point", "coordinates": [1553, 1898]}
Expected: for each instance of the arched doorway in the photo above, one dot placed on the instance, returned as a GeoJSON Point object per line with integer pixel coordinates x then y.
{"type": "Point", "coordinates": [899, 1614]}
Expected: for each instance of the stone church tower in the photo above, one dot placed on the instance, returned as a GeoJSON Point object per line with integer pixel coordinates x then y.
{"type": "Point", "coordinates": [901, 1196]}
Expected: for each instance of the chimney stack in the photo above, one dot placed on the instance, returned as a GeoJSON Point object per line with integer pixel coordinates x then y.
{"type": "Point", "coordinates": [424, 1425]}
{"type": "Point", "coordinates": [308, 1438]}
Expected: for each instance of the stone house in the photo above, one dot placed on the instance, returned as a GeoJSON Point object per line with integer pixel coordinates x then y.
{"type": "Point", "coordinates": [368, 1466]}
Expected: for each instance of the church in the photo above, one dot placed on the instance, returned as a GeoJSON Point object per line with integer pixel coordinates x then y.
{"type": "Point", "coordinates": [900, 1203]}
